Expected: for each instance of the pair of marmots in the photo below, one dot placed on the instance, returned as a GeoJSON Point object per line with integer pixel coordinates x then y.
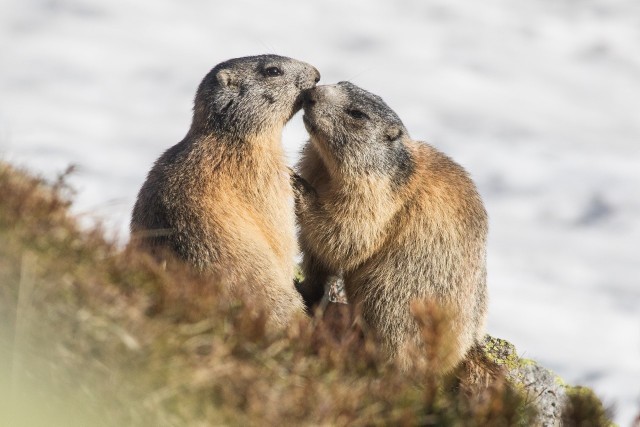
{"type": "Point", "coordinates": [399, 220]}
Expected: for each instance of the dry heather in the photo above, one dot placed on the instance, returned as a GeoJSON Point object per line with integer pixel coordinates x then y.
{"type": "Point", "coordinates": [91, 334]}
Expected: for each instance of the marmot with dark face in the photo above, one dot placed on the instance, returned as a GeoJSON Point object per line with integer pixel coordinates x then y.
{"type": "Point", "coordinates": [221, 199]}
{"type": "Point", "coordinates": [397, 218]}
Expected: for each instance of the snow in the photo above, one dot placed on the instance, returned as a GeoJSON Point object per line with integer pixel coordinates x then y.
{"type": "Point", "coordinates": [539, 100]}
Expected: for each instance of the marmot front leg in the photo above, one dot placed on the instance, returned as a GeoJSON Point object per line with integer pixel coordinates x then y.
{"type": "Point", "coordinates": [316, 277]}
{"type": "Point", "coordinates": [304, 193]}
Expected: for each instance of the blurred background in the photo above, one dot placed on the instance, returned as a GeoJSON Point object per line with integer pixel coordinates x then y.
{"type": "Point", "coordinates": [538, 100]}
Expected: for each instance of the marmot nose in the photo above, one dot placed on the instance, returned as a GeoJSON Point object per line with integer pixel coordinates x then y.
{"type": "Point", "coordinates": [316, 78]}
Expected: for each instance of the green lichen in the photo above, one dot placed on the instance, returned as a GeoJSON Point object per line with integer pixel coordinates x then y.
{"type": "Point", "coordinates": [501, 352]}
{"type": "Point", "coordinates": [298, 275]}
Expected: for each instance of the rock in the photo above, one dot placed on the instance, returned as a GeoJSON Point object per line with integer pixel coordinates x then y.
{"type": "Point", "coordinates": [556, 402]}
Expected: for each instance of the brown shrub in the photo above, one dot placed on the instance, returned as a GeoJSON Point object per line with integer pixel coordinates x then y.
{"type": "Point", "coordinates": [93, 334]}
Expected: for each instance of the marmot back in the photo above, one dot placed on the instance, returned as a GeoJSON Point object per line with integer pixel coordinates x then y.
{"type": "Point", "coordinates": [221, 198]}
{"type": "Point", "coordinates": [399, 219]}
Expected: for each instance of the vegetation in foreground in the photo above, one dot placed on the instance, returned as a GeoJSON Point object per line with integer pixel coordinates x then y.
{"type": "Point", "coordinates": [91, 334]}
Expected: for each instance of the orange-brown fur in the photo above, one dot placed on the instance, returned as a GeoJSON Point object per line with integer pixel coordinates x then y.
{"type": "Point", "coordinates": [221, 199]}
{"type": "Point", "coordinates": [394, 243]}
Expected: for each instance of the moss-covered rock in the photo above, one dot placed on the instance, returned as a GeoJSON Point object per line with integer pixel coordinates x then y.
{"type": "Point", "coordinates": [556, 402]}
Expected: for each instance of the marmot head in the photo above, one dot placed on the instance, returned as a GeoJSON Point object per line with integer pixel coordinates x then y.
{"type": "Point", "coordinates": [356, 133]}
{"type": "Point", "coordinates": [251, 95]}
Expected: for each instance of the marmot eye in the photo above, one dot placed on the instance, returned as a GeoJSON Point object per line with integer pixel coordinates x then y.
{"type": "Point", "coordinates": [356, 114]}
{"type": "Point", "coordinates": [273, 72]}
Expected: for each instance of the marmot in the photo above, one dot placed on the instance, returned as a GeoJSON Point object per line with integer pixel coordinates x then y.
{"type": "Point", "coordinates": [400, 220]}
{"type": "Point", "coordinates": [221, 199]}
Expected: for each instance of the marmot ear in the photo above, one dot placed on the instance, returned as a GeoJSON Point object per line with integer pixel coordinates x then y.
{"type": "Point", "coordinates": [393, 133]}
{"type": "Point", "coordinates": [227, 78]}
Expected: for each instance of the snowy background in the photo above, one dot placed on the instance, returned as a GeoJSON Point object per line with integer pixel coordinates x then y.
{"type": "Point", "coordinates": [539, 100]}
